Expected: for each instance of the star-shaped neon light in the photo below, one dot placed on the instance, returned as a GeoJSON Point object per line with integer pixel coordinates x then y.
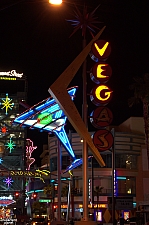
{"type": "Point", "coordinates": [3, 129]}
{"type": "Point", "coordinates": [1, 160]}
{"type": "Point", "coordinates": [48, 116]}
{"type": "Point", "coordinates": [10, 145]}
{"type": "Point", "coordinates": [7, 104]}
{"type": "Point", "coordinates": [8, 181]}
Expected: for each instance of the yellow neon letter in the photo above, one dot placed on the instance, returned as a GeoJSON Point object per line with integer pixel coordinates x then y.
{"type": "Point", "coordinates": [102, 50]}
{"type": "Point", "coordinates": [107, 93]}
{"type": "Point", "coordinates": [100, 70]}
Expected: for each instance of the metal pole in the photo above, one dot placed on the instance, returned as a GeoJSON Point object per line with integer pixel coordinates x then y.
{"type": "Point", "coordinates": [69, 186]}
{"type": "Point", "coordinates": [59, 180]}
{"type": "Point", "coordinates": [85, 147]}
{"type": "Point", "coordinates": [113, 181]}
{"type": "Point", "coordinates": [92, 168]}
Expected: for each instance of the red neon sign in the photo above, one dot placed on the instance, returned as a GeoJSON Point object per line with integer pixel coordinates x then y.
{"type": "Point", "coordinates": [101, 117]}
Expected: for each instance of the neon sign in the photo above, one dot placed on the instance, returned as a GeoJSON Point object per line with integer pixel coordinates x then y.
{"type": "Point", "coordinates": [48, 116]}
{"type": "Point", "coordinates": [101, 50]}
{"type": "Point", "coordinates": [11, 73]}
{"type": "Point", "coordinates": [101, 72]}
{"type": "Point", "coordinates": [45, 118]}
{"type": "Point", "coordinates": [4, 129]}
{"type": "Point", "coordinates": [10, 145]}
{"type": "Point", "coordinates": [29, 149]}
{"type": "Point", "coordinates": [101, 95]}
{"type": "Point", "coordinates": [1, 160]}
{"type": "Point", "coordinates": [7, 103]}
{"type": "Point", "coordinates": [8, 181]}
{"type": "Point", "coordinates": [6, 200]}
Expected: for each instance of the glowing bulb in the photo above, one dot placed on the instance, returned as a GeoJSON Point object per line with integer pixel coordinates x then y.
{"type": "Point", "coordinates": [55, 2]}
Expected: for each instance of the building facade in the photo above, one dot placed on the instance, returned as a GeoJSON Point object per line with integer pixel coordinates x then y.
{"type": "Point", "coordinates": [131, 171]}
{"type": "Point", "coordinates": [12, 140]}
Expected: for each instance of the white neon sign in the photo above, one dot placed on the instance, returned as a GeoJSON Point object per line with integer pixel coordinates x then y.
{"type": "Point", "coordinates": [6, 197]}
{"type": "Point", "coordinates": [11, 73]}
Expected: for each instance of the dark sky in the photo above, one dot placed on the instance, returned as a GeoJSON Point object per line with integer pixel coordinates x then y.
{"type": "Point", "coordinates": [34, 39]}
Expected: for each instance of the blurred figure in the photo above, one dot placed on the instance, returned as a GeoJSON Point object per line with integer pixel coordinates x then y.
{"type": "Point", "coordinates": [121, 220]}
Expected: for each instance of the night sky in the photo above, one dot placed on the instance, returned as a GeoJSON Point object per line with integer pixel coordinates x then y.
{"type": "Point", "coordinates": [34, 40]}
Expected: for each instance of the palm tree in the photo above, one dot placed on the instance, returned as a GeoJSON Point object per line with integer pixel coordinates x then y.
{"type": "Point", "coordinates": [97, 192]}
{"type": "Point", "coordinates": [48, 190]}
{"type": "Point", "coordinates": [64, 191]}
{"type": "Point", "coordinates": [141, 94]}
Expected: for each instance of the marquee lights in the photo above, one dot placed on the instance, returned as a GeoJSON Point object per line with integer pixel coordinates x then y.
{"type": "Point", "coordinates": [10, 145]}
{"type": "Point", "coordinates": [48, 116]}
{"type": "Point", "coordinates": [7, 104]}
{"type": "Point", "coordinates": [8, 78]}
{"type": "Point", "coordinates": [101, 95]}
{"type": "Point", "coordinates": [11, 73]}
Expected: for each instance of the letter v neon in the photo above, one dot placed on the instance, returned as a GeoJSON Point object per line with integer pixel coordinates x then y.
{"type": "Point", "coordinates": [102, 50]}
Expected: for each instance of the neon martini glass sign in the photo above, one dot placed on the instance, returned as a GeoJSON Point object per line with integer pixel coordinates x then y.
{"type": "Point", "coordinates": [48, 116]}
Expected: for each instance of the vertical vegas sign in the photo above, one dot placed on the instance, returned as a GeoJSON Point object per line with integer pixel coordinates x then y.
{"type": "Point", "coordinates": [101, 95]}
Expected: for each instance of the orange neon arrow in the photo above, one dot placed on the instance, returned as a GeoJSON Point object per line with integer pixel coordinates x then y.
{"type": "Point", "coordinates": [58, 91]}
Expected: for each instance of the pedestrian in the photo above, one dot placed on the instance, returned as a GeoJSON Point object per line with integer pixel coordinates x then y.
{"type": "Point", "coordinates": [121, 220]}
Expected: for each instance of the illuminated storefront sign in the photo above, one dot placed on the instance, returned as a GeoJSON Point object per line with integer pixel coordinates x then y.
{"type": "Point", "coordinates": [11, 73]}
{"type": "Point", "coordinates": [98, 216]}
{"type": "Point", "coordinates": [44, 200]}
{"type": "Point", "coordinates": [48, 116]}
{"type": "Point", "coordinates": [6, 200]}
{"type": "Point", "coordinates": [8, 221]}
{"type": "Point", "coordinates": [39, 174]}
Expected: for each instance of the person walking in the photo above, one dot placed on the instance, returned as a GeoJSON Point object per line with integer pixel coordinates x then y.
{"type": "Point", "coordinates": [121, 219]}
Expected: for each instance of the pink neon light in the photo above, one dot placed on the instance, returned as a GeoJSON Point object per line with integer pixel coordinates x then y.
{"type": "Point", "coordinates": [29, 149]}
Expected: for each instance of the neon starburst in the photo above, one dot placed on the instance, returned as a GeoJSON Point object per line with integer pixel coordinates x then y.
{"type": "Point", "coordinates": [10, 145]}
{"type": "Point", "coordinates": [8, 181]}
{"type": "Point", "coordinates": [84, 21]}
{"type": "Point", "coordinates": [7, 104]}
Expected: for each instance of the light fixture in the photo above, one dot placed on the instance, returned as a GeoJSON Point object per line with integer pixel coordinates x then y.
{"type": "Point", "coordinates": [55, 2]}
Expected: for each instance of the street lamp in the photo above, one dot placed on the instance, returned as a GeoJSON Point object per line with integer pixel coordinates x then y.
{"type": "Point", "coordinates": [55, 2]}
